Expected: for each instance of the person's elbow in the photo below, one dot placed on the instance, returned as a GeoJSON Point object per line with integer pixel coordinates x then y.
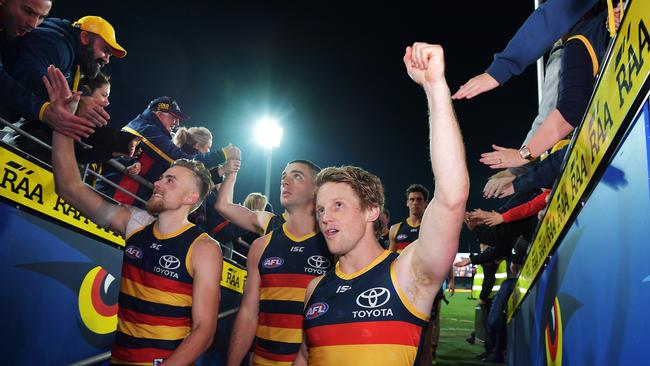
{"type": "Point", "coordinates": [455, 197]}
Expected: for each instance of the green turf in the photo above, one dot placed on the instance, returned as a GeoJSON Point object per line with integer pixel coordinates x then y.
{"type": "Point", "coordinates": [456, 324]}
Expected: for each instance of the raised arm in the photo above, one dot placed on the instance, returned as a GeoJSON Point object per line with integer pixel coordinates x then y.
{"type": "Point", "coordinates": [206, 264]}
{"type": "Point", "coordinates": [424, 265]}
{"type": "Point", "coordinates": [67, 180]}
{"type": "Point", "coordinates": [253, 221]}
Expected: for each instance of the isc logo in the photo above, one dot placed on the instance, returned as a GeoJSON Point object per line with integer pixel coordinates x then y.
{"type": "Point", "coordinates": [273, 262]}
{"type": "Point", "coordinates": [297, 249]}
{"type": "Point", "coordinates": [316, 310]}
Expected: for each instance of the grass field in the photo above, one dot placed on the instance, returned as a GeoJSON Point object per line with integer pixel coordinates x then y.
{"type": "Point", "coordinates": [456, 324]}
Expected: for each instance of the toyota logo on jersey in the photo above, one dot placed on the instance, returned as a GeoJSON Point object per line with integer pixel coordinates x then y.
{"type": "Point", "coordinates": [373, 298]}
{"type": "Point", "coordinates": [318, 261]}
{"type": "Point", "coordinates": [169, 262]}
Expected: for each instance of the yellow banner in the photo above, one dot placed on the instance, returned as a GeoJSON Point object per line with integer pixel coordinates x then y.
{"type": "Point", "coordinates": [233, 277]}
{"type": "Point", "coordinates": [30, 185]}
{"type": "Point", "coordinates": [624, 75]}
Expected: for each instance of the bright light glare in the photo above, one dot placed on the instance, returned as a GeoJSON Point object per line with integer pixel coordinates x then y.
{"type": "Point", "coordinates": [268, 133]}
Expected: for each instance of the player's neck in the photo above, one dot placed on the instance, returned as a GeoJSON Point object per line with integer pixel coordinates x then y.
{"type": "Point", "coordinates": [362, 255]}
{"type": "Point", "coordinates": [301, 221]}
{"type": "Point", "coordinates": [171, 221]}
{"type": "Point", "coordinates": [414, 220]}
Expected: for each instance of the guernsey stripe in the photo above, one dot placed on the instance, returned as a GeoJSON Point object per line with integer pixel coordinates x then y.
{"type": "Point", "coordinates": [380, 332]}
{"type": "Point", "coordinates": [283, 294]}
{"type": "Point", "coordinates": [261, 361]}
{"type": "Point", "coordinates": [152, 331]}
{"type": "Point", "coordinates": [286, 335]}
{"type": "Point", "coordinates": [154, 295]}
{"type": "Point", "coordinates": [286, 280]}
{"type": "Point", "coordinates": [138, 356]}
{"type": "Point", "coordinates": [136, 317]}
{"type": "Point", "coordinates": [281, 320]}
{"type": "Point", "coordinates": [366, 355]}
{"type": "Point", "coordinates": [161, 283]}
{"type": "Point", "coordinates": [271, 358]}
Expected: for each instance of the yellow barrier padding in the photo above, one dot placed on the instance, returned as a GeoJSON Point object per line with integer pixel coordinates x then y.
{"type": "Point", "coordinates": [233, 277]}
{"type": "Point", "coordinates": [30, 185]}
{"type": "Point", "coordinates": [626, 70]}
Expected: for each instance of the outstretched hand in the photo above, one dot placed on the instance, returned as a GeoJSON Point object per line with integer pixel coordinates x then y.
{"type": "Point", "coordinates": [475, 86]}
{"type": "Point", "coordinates": [59, 115]}
{"type": "Point", "coordinates": [502, 157]}
{"type": "Point", "coordinates": [425, 63]}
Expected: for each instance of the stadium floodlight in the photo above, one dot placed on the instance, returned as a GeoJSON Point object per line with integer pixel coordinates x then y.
{"type": "Point", "coordinates": [268, 134]}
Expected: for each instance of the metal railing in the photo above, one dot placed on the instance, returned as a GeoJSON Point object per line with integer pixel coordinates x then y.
{"type": "Point", "coordinates": [114, 163]}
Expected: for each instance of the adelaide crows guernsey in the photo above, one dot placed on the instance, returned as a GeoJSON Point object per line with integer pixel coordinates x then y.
{"type": "Point", "coordinates": [155, 301]}
{"type": "Point", "coordinates": [363, 318]}
{"type": "Point", "coordinates": [286, 266]}
{"type": "Point", "coordinates": [406, 234]}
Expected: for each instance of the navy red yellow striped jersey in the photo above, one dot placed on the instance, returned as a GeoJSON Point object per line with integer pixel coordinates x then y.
{"type": "Point", "coordinates": [363, 318]}
{"type": "Point", "coordinates": [286, 266]}
{"type": "Point", "coordinates": [405, 235]}
{"type": "Point", "coordinates": [155, 301]}
{"type": "Point", "coordinates": [274, 222]}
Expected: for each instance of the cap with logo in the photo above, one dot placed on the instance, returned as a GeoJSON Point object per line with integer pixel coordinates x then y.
{"type": "Point", "coordinates": [102, 28]}
{"type": "Point", "coordinates": [167, 105]}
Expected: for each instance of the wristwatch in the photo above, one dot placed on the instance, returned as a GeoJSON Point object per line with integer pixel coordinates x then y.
{"type": "Point", "coordinates": [524, 152]}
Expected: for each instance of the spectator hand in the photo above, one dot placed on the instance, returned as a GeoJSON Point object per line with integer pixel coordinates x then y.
{"type": "Point", "coordinates": [59, 115]}
{"type": "Point", "coordinates": [93, 111]}
{"type": "Point", "coordinates": [507, 190]}
{"type": "Point", "coordinates": [475, 86]}
{"type": "Point", "coordinates": [462, 263]}
{"type": "Point", "coordinates": [494, 186]}
{"type": "Point", "coordinates": [134, 169]}
{"type": "Point", "coordinates": [232, 152]}
{"type": "Point", "coordinates": [502, 157]}
{"type": "Point", "coordinates": [493, 218]}
{"type": "Point", "coordinates": [231, 166]}
{"type": "Point", "coordinates": [425, 63]}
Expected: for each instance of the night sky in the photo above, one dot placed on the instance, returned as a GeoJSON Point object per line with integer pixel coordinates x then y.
{"type": "Point", "coordinates": [331, 73]}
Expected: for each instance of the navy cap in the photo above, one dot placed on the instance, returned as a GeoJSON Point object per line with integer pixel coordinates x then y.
{"type": "Point", "coordinates": [167, 105]}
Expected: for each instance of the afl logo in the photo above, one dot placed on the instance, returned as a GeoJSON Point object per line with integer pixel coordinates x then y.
{"type": "Point", "coordinates": [401, 236]}
{"type": "Point", "coordinates": [318, 261]}
{"type": "Point", "coordinates": [133, 252]}
{"type": "Point", "coordinates": [373, 298]}
{"type": "Point", "coordinates": [169, 262]}
{"type": "Point", "coordinates": [316, 310]}
{"type": "Point", "coordinates": [273, 262]}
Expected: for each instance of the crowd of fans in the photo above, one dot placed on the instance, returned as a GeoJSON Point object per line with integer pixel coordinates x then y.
{"type": "Point", "coordinates": [575, 37]}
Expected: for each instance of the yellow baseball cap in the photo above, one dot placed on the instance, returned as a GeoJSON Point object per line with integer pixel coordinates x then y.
{"type": "Point", "coordinates": [104, 29]}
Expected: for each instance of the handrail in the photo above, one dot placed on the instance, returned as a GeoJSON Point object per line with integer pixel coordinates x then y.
{"type": "Point", "coordinates": [94, 360]}
{"type": "Point", "coordinates": [113, 162]}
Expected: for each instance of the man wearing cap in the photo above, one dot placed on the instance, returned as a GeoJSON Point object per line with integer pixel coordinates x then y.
{"type": "Point", "coordinates": [77, 49]}
{"type": "Point", "coordinates": [18, 18]}
{"type": "Point", "coordinates": [154, 126]}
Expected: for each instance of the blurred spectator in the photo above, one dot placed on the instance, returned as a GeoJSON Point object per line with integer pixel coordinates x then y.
{"type": "Point", "coordinates": [18, 18]}
{"type": "Point", "coordinates": [77, 49]}
{"type": "Point", "coordinates": [583, 52]}
{"type": "Point", "coordinates": [154, 126]}
{"type": "Point", "coordinates": [544, 26]}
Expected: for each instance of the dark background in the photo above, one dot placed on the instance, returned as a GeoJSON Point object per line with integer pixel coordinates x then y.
{"type": "Point", "coordinates": [331, 73]}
